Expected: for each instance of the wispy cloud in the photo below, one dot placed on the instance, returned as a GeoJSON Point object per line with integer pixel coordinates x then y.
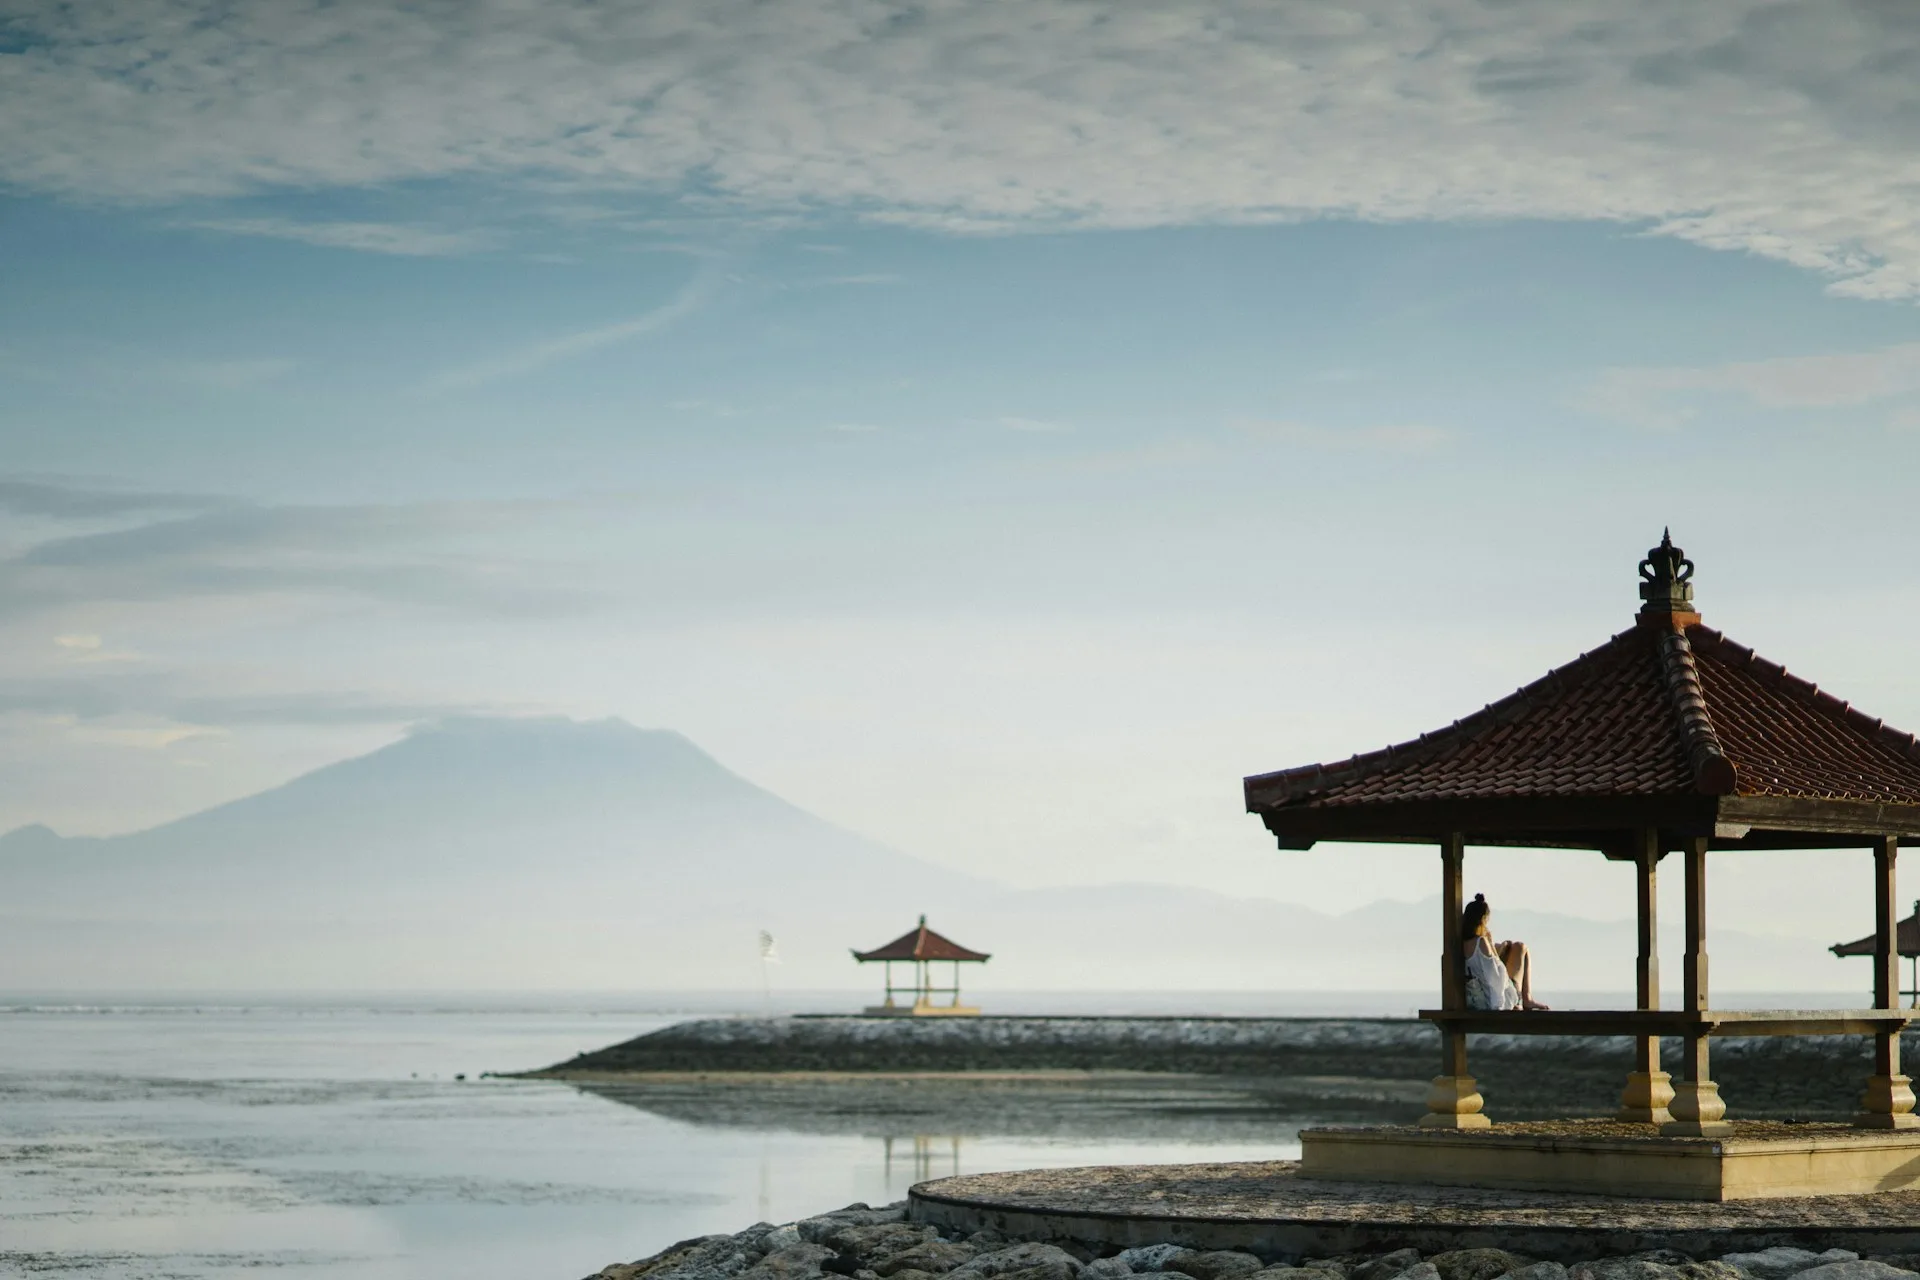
{"type": "Point", "coordinates": [1783, 130]}
{"type": "Point", "coordinates": [691, 297]}
{"type": "Point", "coordinates": [367, 237]}
{"type": "Point", "coordinates": [1673, 395]}
{"type": "Point", "coordinates": [162, 548]}
{"type": "Point", "coordinates": [1038, 426]}
{"type": "Point", "coordinates": [86, 502]}
{"type": "Point", "coordinates": [166, 697]}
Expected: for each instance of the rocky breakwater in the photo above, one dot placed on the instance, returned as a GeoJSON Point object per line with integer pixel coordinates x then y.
{"type": "Point", "coordinates": [861, 1243]}
{"type": "Point", "coordinates": [1321, 1059]}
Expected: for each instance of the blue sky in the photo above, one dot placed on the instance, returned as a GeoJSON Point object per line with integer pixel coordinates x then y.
{"type": "Point", "coordinates": [997, 429]}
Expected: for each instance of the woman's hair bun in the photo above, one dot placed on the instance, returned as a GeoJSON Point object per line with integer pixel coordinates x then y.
{"type": "Point", "coordinates": [1479, 897]}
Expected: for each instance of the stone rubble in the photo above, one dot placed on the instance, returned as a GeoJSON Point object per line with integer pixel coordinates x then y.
{"type": "Point", "coordinates": [864, 1243]}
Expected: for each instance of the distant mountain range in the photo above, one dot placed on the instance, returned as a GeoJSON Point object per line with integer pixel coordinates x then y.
{"type": "Point", "coordinates": [497, 854]}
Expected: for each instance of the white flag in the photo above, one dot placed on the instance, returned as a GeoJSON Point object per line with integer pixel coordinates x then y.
{"type": "Point", "coordinates": [767, 951]}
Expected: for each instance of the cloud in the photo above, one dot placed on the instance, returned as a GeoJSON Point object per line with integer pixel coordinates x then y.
{"type": "Point", "coordinates": [1671, 396]}
{"type": "Point", "coordinates": [79, 502]}
{"type": "Point", "coordinates": [1782, 130]}
{"type": "Point", "coordinates": [418, 553]}
{"type": "Point", "coordinates": [368, 237]}
{"type": "Point", "coordinates": [158, 696]}
{"type": "Point", "coordinates": [1038, 426]}
{"type": "Point", "coordinates": [691, 297]}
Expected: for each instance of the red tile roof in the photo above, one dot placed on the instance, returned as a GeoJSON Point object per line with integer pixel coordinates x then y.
{"type": "Point", "coordinates": [921, 944]}
{"type": "Point", "coordinates": [1668, 708]}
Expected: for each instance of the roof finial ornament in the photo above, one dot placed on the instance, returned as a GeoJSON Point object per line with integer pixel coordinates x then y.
{"type": "Point", "coordinates": [1666, 580]}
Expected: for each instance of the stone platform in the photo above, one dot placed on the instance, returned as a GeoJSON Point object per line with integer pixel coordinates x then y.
{"type": "Point", "coordinates": [1759, 1159]}
{"type": "Point", "coordinates": [1271, 1209]}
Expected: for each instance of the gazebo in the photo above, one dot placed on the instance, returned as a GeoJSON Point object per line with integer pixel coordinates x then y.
{"type": "Point", "coordinates": [1670, 738]}
{"type": "Point", "coordinates": [922, 948]}
{"type": "Point", "coordinates": [1907, 943]}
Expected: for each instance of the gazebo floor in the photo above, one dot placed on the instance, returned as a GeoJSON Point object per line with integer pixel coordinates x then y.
{"type": "Point", "coordinates": [1273, 1209]}
{"type": "Point", "coordinates": [1761, 1159]}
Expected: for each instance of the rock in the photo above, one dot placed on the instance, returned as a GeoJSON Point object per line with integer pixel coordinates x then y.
{"type": "Point", "coordinates": [1623, 1269]}
{"type": "Point", "coordinates": [910, 1274]}
{"type": "Point", "coordinates": [1222, 1264]}
{"type": "Point", "coordinates": [1336, 1267]}
{"type": "Point", "coordinates": [1021, 1262]}
{"type": "Point", "coordinates": [1150, 1257]}
{"type": "Point", "coordinates": [1386, 1266]}
{"type": "Point", "coordinates": [1711, 1270]}
{"type": "Point", "coordinates": [1106, 1269]}
{"type": "Point", "coordinates": [1476, 1264]}
{"type": "Point", "coordinates": [1904, 1261]}
{"type": "Point", "coordinates": [1290, 1273]}
{"type": "Point", "coordinates": [701, 1258]}
{"type": "Point", "coordinates": [777, 1239]}
{"type": "Point", "coordinates": [1420, 1271]}
{"type": "Point", "coordinates": [795, 1262]}
{"type": "Point", "coordinates": [937, 1256]}
{"type": "Point", "coordinates": [872, 1243]}
{"type": "Point", "coordinates": [1854, 1269]}
{"type": "Point", "coordinates": [1539, 1271]}
{"type": "Point", "coordinates": [1781, 1261]}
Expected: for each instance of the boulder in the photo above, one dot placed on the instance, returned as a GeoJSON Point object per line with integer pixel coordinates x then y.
{"type": "Point", "coordinates": [795, 1262]}
{"type": "Point", "coordinates": [1106, 1269]}
{"type": "Point", "coordinates": [934, 1255]}
{"type": "Point", "coordinates": [1781, 1261]}
{"type": "Point", "coordinates": [881, 1240]}
{"type": "Point", "coordinates": [1289, 1273]}
{"type": "Point", "coordinates": [1021, 1262]}
{"type": "Point", "coordinates": [1476, 1264]}
{"type": "Point", "coordinates": [1623, 1269]}
{"type": "Point", "coordinates": [701, 1258]}
{"type": "Point", "coordinates": [1386, 1266]}
{"type": "Point", "coordinates": [1224, 1264]}
{"type": "Point", "coordinates": [777, 1239]}
{"type": "Point", "coordinates": [1711, 1270]}
{"type": "Point", "coordinates": [1854, 1269]}
{"type": "Point", "coordinates": [1150, 1257]}
{"type": "Point", "coordinates": [1420, 1271]}
{"type": "Point", "coordinates": [1539, 1271]}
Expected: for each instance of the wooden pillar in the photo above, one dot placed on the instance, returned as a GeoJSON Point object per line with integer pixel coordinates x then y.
{"type": "Point", "coordinates": [1697, 1108]}
{"type": "Point", "coordinates": [1888, 1101]}
{"type": "Point", "coordinates": [1453, 1101]}
{"type": "Point", "coordinates": [1649, 1089]}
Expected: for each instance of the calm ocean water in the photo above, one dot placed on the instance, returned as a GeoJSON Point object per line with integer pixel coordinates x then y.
{"type": "Point", "coordinates": [316, 1137]}
{"type": "Point", "coordinates": [330, 1137]}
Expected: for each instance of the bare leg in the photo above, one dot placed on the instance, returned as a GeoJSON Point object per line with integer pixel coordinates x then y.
{"type": "Point", "coordinates": [1519, 963]}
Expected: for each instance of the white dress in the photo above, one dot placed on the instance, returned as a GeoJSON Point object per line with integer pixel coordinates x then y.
{"type": "Point", "coordinates": [1489, 985]}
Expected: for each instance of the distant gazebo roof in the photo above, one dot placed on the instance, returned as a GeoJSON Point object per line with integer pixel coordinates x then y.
{"type": "Point", "coordinates": [1670, 724]}
{"type": "Point", "coordinates": [1907, 940]}
{"type": "Point", "coordinates": [921, 944]}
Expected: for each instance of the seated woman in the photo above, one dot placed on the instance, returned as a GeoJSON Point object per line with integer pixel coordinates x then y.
{"type": "Point", "coordinates": [1499, 975]}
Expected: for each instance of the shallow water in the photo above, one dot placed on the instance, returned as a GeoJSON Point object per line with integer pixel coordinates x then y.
{"type": "Point", "coordinates": [329, 1139]}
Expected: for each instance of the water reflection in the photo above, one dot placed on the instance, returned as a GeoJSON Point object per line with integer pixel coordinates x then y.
{"type": "Point", "coordinates": [928, 1157]}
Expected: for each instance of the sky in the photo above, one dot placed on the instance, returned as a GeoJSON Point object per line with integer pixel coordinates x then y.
{"type": "Point", "coordinates": [994, 428]}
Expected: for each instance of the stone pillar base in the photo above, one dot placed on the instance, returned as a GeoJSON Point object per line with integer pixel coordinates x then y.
{"type": "Point", "coordinates": [1645, 1099]}
{"type": "Point", "coordinates": [1887, 1104]}
{"type": "Point", "coordinates": [1454, 1102]}
{"type": "Point", "coordinates": [1698, 1111]}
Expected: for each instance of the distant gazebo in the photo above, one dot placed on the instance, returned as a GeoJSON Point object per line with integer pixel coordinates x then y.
{"type": "Point", "coordinates": [1670, 738]}
{"type": "Point", "coordinates": [1908, 945]}
{"type": "Point", "coordinates": [922, 948]}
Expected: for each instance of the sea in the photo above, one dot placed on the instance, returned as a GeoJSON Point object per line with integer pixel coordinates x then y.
{"type": "Point", "coordinates": [193, 1137]}
{"type": "Point", "coordinates": [221, 1136]}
